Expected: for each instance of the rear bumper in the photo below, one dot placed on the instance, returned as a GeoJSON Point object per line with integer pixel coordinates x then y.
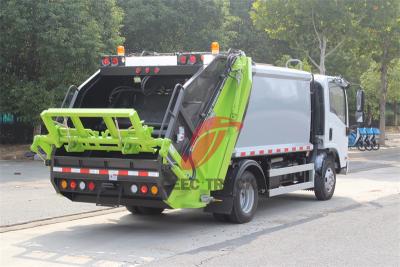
{"type": "Point", "coordinates": [112, 179]}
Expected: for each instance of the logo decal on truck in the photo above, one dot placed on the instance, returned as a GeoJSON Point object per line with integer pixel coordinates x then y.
{"type": "Point", "coordinates": [206, 140]}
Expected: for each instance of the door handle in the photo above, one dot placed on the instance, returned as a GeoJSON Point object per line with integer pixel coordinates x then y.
{"type": "Point", "coordinates": [330, 134]}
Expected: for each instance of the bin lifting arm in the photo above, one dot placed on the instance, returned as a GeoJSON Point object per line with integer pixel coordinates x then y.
{"type": "Point", "coordinates": [76, 138]}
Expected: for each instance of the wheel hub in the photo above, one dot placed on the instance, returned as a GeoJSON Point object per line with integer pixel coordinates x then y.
{"type": "Point", "coordinates": [246, 196]}
{"type": "Point", "coordinates": [329, 179]}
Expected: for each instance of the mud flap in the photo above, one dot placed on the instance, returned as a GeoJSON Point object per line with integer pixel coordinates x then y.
{"type": "Point", "coordinates": [224, 206]}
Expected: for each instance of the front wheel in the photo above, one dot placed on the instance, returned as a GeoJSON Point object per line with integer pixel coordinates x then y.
{"type": "Point", "coordinates": [245, 198]}
{"type": "Point", "coordinates": [325, 180]}
{"type": "Point", "coordinates": [144, 210]}
{"type": "Point", "coordinates": [360, 146]}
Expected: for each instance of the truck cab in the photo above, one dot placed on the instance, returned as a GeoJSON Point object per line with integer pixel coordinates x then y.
{"type": "Point", "coordinates": [333, 136]}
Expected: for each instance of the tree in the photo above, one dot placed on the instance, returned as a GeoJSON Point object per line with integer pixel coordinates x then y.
{"type": "Point", "coordinates": [394, 89]}
{"type": "Point", "coordinates": [48, 45]}
{"type": "Point", "coordinates": [256, 44]}
{"type": "Point", "coordinates": [313, 28]}
{"type": "Point", "coordinates": [370, 81]}
{"type": "Point", "coordinates": [380, 28]}
{"type": "Point", "coordinates": [176, 25]}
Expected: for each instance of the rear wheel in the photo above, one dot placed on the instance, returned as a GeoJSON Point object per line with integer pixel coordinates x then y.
{"type": "Point", "coordinates": [375, 145]}
{"type": "Point", "coordinates": [245, 198]}
{"type": "Point", "coordinates": [360, 146]}
{"type": "Point", "coordinates": [144, 210]}
{"type": "Point", "coordinates": [325, 181]}
{"type": "Point", "coordinates": [368, 145]}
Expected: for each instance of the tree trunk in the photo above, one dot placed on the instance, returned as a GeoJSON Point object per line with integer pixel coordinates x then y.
{"type": "Point", "coordinates": [382, 100]}
{"type": "Point", "coordinates": [395, 113]}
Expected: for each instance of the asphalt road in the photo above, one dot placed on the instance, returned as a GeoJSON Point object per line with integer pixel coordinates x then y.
{"type": "Point", "coordinates": [359, 226]}
{"type": "Point", "coordinates": [26, 194]}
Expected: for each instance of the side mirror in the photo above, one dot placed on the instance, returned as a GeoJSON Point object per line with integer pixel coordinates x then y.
{"type": "Point", "coordinates": [360, 101]}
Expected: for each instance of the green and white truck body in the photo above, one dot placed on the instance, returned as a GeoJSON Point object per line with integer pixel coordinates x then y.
{"type": "Point", "coordinates": [195, 130]}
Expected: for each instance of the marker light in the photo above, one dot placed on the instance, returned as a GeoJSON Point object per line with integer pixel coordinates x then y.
{"type": "Point", "coordinates": [144, 189]}
{"type": "Point", "coordinates": [134, 188]}
{"type": "Point", "coordinates": [114, 61]}
{"type": "Point", "coordinates": [120, 50]}
{"type": "Point", "coordinates": [192, 59]}
{"type": "Point", "coordinates": [82, 185]}
{"type": "Point", "coordinates": [214, 47]}
{"type": "Point", "coordinates": [91, 186]}
{"type": "Point", "coordinates": [105, 61]}
{"type": "Point", "coordinates": [64, 184]}
{"type": "Point", "coordinates": [72, 184]}
{"type": "Point", "coordinates": [147, 70]}
{"type": "Point", "coordinates": [154, 190]}
{"type": "Point", "coordinates": [182, 59]}
{"type": "Point", "coordinates": [138, 70]}
{"type": "Point", "coordinates": [156, 70]}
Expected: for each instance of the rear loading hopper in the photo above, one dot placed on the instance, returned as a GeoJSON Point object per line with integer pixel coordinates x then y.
{"type": "Point", "coordinates": [159, 137]}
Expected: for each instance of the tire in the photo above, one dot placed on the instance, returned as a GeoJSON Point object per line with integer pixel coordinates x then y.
{"type": "Point", "coordinates": [368, 146]}
{"type": "Point", "coordinates": [245, 198]}
{"type": "Point", "coordinates": [360, 146]}
{"type": "Point", "coordinates": [144, 210]}
{"type": "Point", "coordinates": [325, 182]}
{"type": "Point", "coordinates": [375, 146]}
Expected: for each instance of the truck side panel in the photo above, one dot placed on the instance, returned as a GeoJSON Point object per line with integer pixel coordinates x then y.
{"type": "Point", "coordinates": [279, 111]}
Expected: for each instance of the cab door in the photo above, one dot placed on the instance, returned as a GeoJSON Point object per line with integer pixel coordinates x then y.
{"type": "Point", "coordinates": [337, 121]}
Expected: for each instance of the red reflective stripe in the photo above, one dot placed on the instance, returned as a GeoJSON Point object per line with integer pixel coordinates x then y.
{"type": "Point", "coordinates": [301, 148]}
{"type": "Point", "coordinates": [278, 150]}
{"type": "Point", "coordinates": [103, 172]}
{"type": "Point", "coordinates": [308, 147]}
{"type": "Point", "coordinates": [242, 154]}
{"type": "Point", "coordinates": [261, 152]}
{"type": "Point", "coordinates": [286, 149]}
{"type": "Point", "coordinates": [123, 172]}
{"type": "Point", "coordinates": [294, 148]}
{"type": "Point", "coordinates": [66, 169]}
{"type": "Point", "coordinates": [143, 173]}
{"type": "Point", "coordinates": [84, 171]}
{"type": "Point", "coordinates": [269, 151]}
{"type": "Point", "coordinates": [252, 153]}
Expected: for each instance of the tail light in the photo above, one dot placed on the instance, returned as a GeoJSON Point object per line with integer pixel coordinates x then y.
{"type": "Point", "coordinates": [154, 190]}
{"type": "Point", "coordinates": [105, 61]}
{"type": "Point", "coordinates": [134, 189]}
{"type": "Point", "coordinates": [147, 70]}
{"type": "Point", "coordinates": [72, 184]}
{"type": "Point", "coordinates": [91, 186]}
{"type": "Point", "coordinates": [144, 189]}
{"type": "Point", "coordinates": [138, 70]}
{"type": "Point", "coordinates": [82, 185]}
{"type": "Point", "coordinates": [64, 184]}
{"type": "Point", "coordinates": [156, 70]}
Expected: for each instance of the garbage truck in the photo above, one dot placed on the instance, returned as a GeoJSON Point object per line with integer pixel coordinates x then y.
{"type": "Point", "coordinates": [210, 130]}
